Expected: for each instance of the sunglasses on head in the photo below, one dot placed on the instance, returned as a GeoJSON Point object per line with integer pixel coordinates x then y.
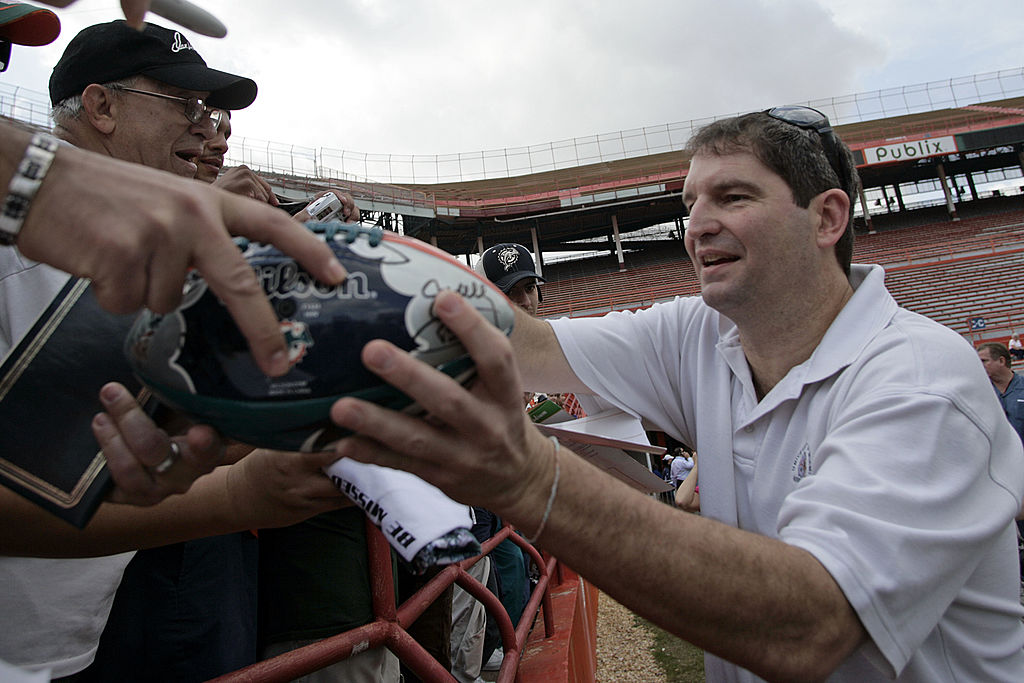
{"type": "Point", "coordinates": [809, 118]}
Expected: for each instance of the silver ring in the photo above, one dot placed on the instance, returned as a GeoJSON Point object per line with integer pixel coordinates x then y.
{"type": "Point", "coordinates": [171, 458]}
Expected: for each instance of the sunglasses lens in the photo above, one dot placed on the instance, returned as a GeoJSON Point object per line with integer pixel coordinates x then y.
{"type": "Point", "coordinates": [812, 119]}
{"type": "Point", "coordinates": [194, 109]}
{"type": "Point", "coordinates": [799, 116]}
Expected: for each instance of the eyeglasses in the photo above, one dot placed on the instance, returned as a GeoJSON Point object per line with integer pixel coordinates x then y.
{"type": "Point", "coordinates": [808, 118]}
{"type": "Point", "coordinates": [195, 108]}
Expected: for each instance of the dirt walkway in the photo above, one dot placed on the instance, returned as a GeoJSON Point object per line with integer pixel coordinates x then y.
{"type": "Point", "coordinates": [623, 646]}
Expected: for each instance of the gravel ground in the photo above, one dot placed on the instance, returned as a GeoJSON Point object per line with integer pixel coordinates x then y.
{"type": "Point", "coordinates": [623, 647]}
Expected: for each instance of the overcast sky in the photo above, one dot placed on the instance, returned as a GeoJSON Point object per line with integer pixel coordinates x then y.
{"type": "Point", "coordinates": [407, 77]}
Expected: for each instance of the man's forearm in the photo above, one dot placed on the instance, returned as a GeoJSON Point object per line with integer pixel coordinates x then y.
{"type": "Point", "coordinates": [204, 511]}
{"type": "Point", "coordinates": [759, 602]}
{"type": "Point", "coordinates": [542, 364]}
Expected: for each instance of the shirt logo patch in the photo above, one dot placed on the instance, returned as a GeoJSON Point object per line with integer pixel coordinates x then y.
{"type": "Point", "coordinates": [802, 464]}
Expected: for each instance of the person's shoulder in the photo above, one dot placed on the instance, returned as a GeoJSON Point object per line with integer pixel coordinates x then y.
{"type": "Point", "coordinates": [678, 311]}
{"type": "Point", "coordinates": [915, 353]}
{"type": "Point", "coordinates": [680, 305]}
{"type": "Point", "coordinates": [921, 328]}
{"type": "Point", "coordinates": [12, 262]}
{"type": "Point", "coordinates": [685, 309]}
{"type": "Point", "coordinates": [1017, 381]}
{"type": "Point", "coordinates": [14, 266]}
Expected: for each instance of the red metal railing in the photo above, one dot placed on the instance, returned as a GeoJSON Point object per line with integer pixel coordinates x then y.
{"type": "Point", "coordinates": [388, 629]}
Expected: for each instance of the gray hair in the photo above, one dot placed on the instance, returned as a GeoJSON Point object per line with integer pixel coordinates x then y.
{"type": "Point", "coordinates": [70, 108]}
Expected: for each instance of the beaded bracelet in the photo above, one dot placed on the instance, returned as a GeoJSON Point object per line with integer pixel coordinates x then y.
{"type": "Point", "coordinates": [551, 496]}
{"type": "Point", "coordinates": [24, 184]}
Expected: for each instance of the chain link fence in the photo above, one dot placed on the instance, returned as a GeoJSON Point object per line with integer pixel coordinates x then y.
{"type": "Point", "coordinates": [398, 169]}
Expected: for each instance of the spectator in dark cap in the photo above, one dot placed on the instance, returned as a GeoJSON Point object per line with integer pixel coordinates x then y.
{"type": "Point", "coordinates": [115, 254]}
{"type": "Point", "coordinates": [108, 52]}
{"type": "Point", "coordinates": [185, 610]}
{"type": "Point", "coordinates": [113, 81]}
{"type": "Point", "coordinates": [510, 267]}
{"type": "Point", "coordinates": [195, 608]}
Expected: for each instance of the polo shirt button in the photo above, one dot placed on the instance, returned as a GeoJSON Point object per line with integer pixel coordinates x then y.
{"type": "Point", "coordinates": [748, 428]}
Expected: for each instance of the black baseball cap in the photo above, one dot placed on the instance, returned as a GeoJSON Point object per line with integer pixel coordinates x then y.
{"type": "Point", "coordinates": [508, 263]}
{"type": "Point", "coordinates": [112, 51]}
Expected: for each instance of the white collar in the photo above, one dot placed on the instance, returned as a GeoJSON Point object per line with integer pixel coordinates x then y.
{"type": "Point", "coordinates": [866, 313]}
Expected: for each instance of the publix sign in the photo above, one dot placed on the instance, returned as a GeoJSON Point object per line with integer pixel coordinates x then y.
{"type": "Point", "coordinates": [908, 151]}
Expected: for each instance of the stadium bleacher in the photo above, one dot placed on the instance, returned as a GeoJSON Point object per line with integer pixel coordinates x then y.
{"type": "Point", "coordinates": [951, 271]}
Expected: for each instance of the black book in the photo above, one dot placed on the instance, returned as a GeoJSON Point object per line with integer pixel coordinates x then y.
{"type": "Point", "coordinates": [49, 393]}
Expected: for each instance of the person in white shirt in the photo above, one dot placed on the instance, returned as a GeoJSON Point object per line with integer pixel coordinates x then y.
{"type": "Point", "coordinates": [681, 466]}
{"type": "Point", "coordinates": [857, 494]}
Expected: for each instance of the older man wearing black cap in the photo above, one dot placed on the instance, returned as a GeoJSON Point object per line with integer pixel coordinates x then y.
{"type": "Point", "coordinates": [116, 255]}
{"type": "Point", "coordinates": [511, 268]}
{"type": "Point", "coordinates": [142, 96]}
{"type": "Point", "coordinates": [148, 97]}
{"type": "Point", "coordinates": [188, 611]}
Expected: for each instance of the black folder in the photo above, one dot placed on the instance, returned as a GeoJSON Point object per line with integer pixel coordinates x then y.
{"type": "Point", "coordinates": [49, 393]}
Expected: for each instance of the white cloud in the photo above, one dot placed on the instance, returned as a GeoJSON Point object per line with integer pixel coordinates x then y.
{"type": "Point", "coordinates": [405, 76]}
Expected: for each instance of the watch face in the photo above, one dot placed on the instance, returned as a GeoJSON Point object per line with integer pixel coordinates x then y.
{"type": "Point", "coordinates": [12, 215]}
{"type": "Point", "coordinates": [24, 185]}
{"type": "Point", "coordinates": [7, 238]}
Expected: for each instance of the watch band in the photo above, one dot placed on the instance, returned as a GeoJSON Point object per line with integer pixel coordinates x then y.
{"type": "Point", "coordinates": [24, 184]}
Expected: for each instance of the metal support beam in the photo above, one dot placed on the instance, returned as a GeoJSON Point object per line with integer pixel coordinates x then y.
{"type": "Point", "coordinates": [536, 250]}
{"type": "Point", "coordinates": [618, 242]}
{"type": "Point", "coordinates": [950, 206]}
{"type": "Point", "coordinates": [864, 205]}
{"type": "Point", "coordinates": [885, 198]}
{"type": "Point", "coordinates": [973, 189]}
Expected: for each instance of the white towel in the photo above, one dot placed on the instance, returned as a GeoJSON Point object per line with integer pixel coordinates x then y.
{"type": "Point", "coordinates": [410, 512]}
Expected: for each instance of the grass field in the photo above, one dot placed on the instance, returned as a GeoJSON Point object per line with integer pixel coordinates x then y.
{"type": "Point", "coordinates": [680, 661]}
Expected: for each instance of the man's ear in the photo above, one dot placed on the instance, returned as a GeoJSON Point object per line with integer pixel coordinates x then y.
{"type": "Point", "coordinates": [833, 207]}
{"type": "Point", "coordinates": [100, 108]}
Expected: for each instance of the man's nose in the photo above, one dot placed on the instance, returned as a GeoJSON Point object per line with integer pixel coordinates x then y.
{"type": "Point", "coordinates": [702, 220]}
{"type": "Point", "coordinates": [205, 127]}
{"type": "Point", "coordinates": [217, 145]}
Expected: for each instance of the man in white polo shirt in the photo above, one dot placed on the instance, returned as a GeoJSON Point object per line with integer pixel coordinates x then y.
{"type": "Point", "coordinates": [857, 493]}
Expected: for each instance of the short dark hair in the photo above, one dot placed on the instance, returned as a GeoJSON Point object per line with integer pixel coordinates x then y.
{"type": "Point", "coordinates": [794, 154]}
{"type": "Point", "coordinates": [997, 350]}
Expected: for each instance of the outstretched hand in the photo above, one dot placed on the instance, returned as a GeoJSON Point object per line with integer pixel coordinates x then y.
{"type": "Point", "coordinates": [144, 466]}
{"type": "Point", "coordinates": [242, 180]}
{"type": "Point", "coordinates": [278, 488]}
{"type": "Point", "coordinates": [349, 211]}
{"type": "Point", "coordinates": [165, 226]}
{"type": "Point", "coordinates": [477, 445]}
